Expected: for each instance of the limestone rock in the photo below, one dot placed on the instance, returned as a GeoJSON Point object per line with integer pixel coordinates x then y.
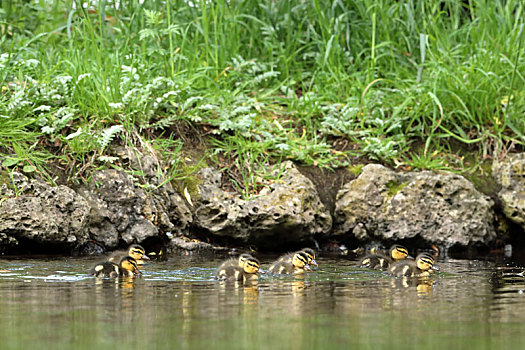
{"type": "Point", "coordinates": [287, 211]}
{"type": "Point", "coordinates": [122, 210]}
{"type": "Point", "coordinates": [510, 175]}
{"type": "Point", "coordinates": [178, 243]}
{"type": "Point", "coordinates": [37, 212]}
{"type": "Point", "coordinates": [442, 209]}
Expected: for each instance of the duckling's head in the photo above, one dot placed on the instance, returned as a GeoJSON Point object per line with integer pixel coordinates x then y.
{"type": "Point", "coordinates": [398, 252]}
{"type": "Point", "coordinates": [251, 265]}
{"type": "Point", "coordinates": [310, 254]}
{"type": "Point", "coordinates": [137, 252]}
{"type": "Point", "coordinates": [129, 264]}
{"type": "Point", "coordinates": [300, 260]}
{"type": "Point", "coordinates": [243, 258]}
{"type": "Point", "coordinates": [425, 262]}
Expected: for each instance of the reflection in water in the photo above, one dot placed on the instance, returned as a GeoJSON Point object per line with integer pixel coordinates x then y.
{"type": "Point", "coordinates": [422, 286]}
{"type": "Point", "coordinates": [508, 288]}
{"type": "Point", "coordinates": [53, 303]}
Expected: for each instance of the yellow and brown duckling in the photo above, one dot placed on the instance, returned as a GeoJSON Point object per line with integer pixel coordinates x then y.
{"type": "Point", "coordinates": [127, 266]}
{"type": "Point", "coordinates": [297, 266]}
{"type": "Point", "coordinates": [136, 251]}
{"type": "Point", "coordinates": [310, 254]}
{"type": "Point", "coordinates": [377, 260]}
{"type": "Point", "coordinates": [421, 267]}
{"type": "Point", "coordinates": [235, 272]}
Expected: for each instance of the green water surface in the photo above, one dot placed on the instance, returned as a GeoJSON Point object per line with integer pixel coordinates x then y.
{"type": "Point", "coordinates": [176, 304]}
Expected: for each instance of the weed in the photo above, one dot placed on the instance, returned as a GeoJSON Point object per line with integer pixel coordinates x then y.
{"type": "Point", "coordinates": [268, 81]}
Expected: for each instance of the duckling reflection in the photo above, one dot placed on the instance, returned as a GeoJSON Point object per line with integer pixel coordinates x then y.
{"type": "Point", "coordinates": [298, 287]}
{"type": "Point", "coordinates": [127, 282]}
{"type": "Point", "coordinates": [251, 293]}
{"type": "Point", "coordinates": [136, 251]}
{"type": "Point", "coordinates": [297, 266]}
{"type": "Point", "coordinates": [423, 285]}
{"type": "Point", "coordinates": [294, 287]}
{"type": "Point", "coordinates": [378, 260]}
{"type": "Point", "coordinates": [116, 295]}
{"type": "Point", "coordinates": [236, 293]}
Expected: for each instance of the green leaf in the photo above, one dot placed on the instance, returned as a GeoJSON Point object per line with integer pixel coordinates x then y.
{"type": "Point", "coordinates": [10, 162]}
{"type": "Point", "coordinates": [28, 169]}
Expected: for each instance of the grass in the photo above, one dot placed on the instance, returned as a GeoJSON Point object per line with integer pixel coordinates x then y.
{"type": "Point", "coordinates": [266, 81]}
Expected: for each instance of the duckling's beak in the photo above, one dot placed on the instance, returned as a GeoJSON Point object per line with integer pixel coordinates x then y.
{"type": "Point", "coordinates": [145, 257]}
{"type": "Point", "coordinates": [435, 268]}
{"type": "Point", "coordinates": [261, 271]}
{"type": "Point", "coordinates": [410, 257]}
{"type": "Point", "coordinates": [313, 262]}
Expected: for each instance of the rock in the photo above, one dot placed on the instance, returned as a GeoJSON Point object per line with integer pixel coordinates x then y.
{"type": "Point", "coordinates": [179, 243]}
{"type": "Point", "coordinates": [122, 210]}
{"type": "Point", "coordinates": [37, 212]}
{"type": "Point", "coordinates": [443, 209]}
{"type": "Point", "coordinates": [509, 173]}
{"type": "Point", "coordinates": [287, 211]}
{"type": "Point", "coordinates": [114, 207]}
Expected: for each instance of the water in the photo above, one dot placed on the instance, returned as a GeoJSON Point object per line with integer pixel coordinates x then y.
{"type": "Point", "coordinates": [54, 304]}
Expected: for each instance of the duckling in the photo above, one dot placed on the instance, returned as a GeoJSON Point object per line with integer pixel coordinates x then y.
{"type": "Point", "coordinates": [297, 266]}
{"type": "Point", "coordinates": [127, 267]}
{"type": "Point", "coordinates": [235, 272]}
{"type": "Point", "coordinates": [310, 253]}
{"type": "Point", "coordinates": [423, 266]}
{"type": "Point", "coordinates": [378, 261]}
{"type": "Point", "coordinates": [239, 261]}
{"type": "Point", "coordinates": [158, 254]}
{"type": "Point", "coordinates": [135, 251]}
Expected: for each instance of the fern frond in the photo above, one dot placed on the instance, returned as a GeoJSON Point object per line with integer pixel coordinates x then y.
{"type": "Point", "coordinates": [163, 123]}
{"type": "Point", "coordinates": [107, 135]}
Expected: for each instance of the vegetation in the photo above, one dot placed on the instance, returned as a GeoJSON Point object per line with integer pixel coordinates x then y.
{"type": "Point", "coordinates": [408, 83]}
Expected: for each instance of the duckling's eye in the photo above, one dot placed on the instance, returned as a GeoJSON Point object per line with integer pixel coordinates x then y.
{"type": "Point", "coordinates": [252, 264]}
{"type": "Point", "coordinates": [427, 261]}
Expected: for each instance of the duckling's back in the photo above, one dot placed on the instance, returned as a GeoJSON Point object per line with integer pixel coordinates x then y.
{"type": "Point", "coordinates": [406, 268]}
{"type": "Point", "coordinates": [228, 263]}
{"type": "Point", "coordinates": [229, 272]}
{"type": "Point", "coordinates": [375, 261]}
{"type": "Point", "coordinates": [105, 269]}
{"type": "Point", "coordinates": [238, 261]}
{"type": "Point", "coordinates": [282, 267]}
{"type": "Point", "coordinates": [117, 255]}
{"type": "Point", "coordinates": [288, 257]}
